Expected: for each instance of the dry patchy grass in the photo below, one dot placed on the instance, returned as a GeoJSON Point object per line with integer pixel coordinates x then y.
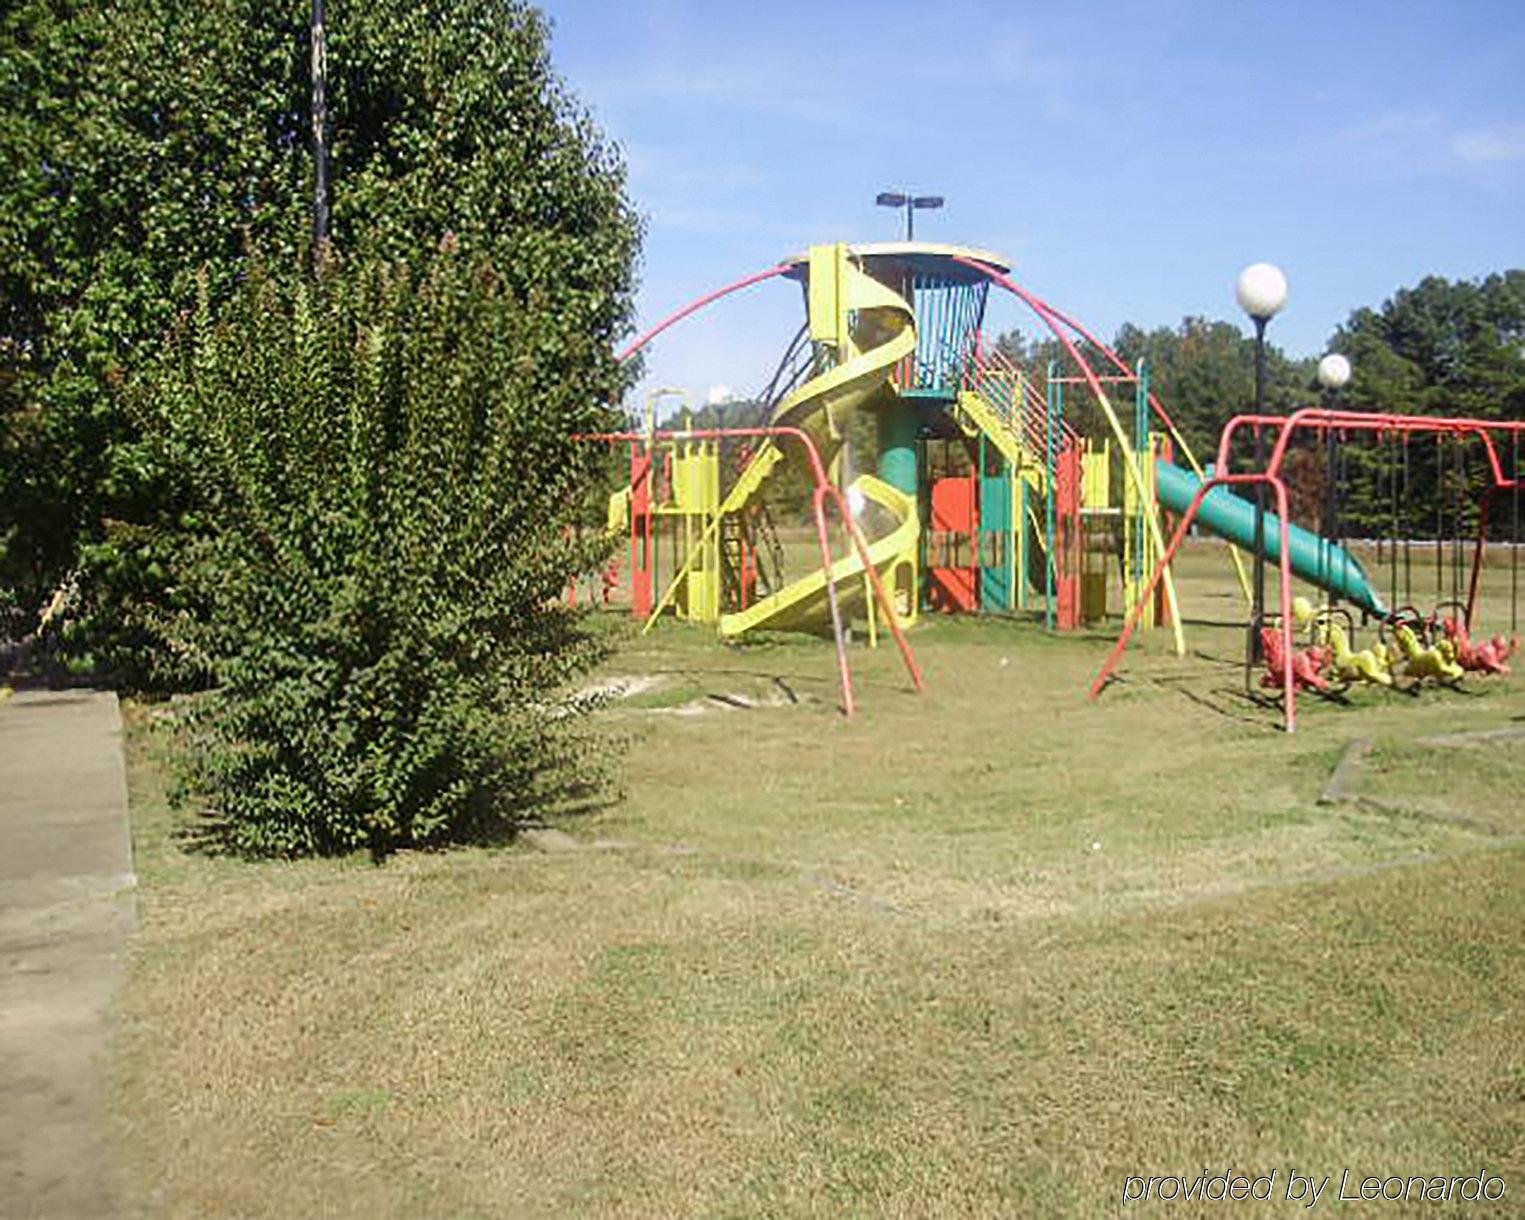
{"type": "Point", "coordinates": [979, 952]}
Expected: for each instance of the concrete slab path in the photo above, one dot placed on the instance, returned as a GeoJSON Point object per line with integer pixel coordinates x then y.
{"type": "Point", "coordinates": [67, 908]}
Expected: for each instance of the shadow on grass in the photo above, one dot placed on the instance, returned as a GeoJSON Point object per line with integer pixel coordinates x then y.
{"type": "Point", "coordinates": [574, 785]}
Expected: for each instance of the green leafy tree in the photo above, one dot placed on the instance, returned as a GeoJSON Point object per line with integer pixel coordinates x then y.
{"type": "Point", "coordinates": [147, 143]}
{"type": "Point", "coordinates": [1441, 347]}
{"type": "Point", "coordinates": [1203, 372]}
{"type": "Point", "coordinates": [386, 457]}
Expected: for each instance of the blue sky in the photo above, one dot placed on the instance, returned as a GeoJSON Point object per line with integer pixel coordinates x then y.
{"type": "Point", "coordinates": [1128, 158]}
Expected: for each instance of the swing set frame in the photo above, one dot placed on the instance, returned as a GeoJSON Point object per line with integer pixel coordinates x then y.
{"type": "Point", "coordinates": [1323, 421]}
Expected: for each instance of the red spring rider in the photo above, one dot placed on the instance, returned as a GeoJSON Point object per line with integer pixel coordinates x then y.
{"type": "Point", "coordinates": [1308, 664]}
{"type": "Point", "coordinates": [1491, 656]}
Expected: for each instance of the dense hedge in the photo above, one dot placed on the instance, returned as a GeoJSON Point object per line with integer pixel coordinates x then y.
{"type": "Point", "coordinates": [384, 465]}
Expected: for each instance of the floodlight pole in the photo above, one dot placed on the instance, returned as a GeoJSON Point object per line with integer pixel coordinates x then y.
{"type": "Point", "coordinates": [1333, 373]}
{"type": "Point", "coordinates": [1262, 292]}
{"type": "Point", "coordinates": [903, 199]}
{"type": "Point", "coordinates": [1260, 462]}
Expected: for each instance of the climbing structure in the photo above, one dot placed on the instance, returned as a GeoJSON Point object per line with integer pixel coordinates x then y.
{"type": "Point", "coordinates": [985, 494]}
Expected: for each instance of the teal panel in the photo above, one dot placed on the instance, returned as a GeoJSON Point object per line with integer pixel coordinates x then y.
{"type": "Point", "coordinates": [995, 519]}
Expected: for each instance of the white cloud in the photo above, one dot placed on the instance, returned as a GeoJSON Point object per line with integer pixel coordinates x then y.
{"type": "Point", "coordinates": [1427, 142]}
{"type": "Point", "coordinates": [1013, 62]}
{"type": "Point", "coordinates": [1409, 136]}
{"type": "Point", "coordinates": [739, 85]}
{"type": "Point", "coordinates": [1488, 146]}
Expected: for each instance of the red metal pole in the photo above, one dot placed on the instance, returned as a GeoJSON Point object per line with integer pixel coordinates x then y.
{"type": "Point", "coordinates": [641, 540]}
{"type": "Point", "coordinates": [695, 306]}
{"type": "Point", "coordinates": [886, 604]}
{"type": "Point", "coordinates": [1478, 555]}
{"type": "Point", "coordinates": [823, 487]}
{"type": "Point", "coordinates": [1137, 613]}
{"type": "Point", "coordinates": [819, 506]}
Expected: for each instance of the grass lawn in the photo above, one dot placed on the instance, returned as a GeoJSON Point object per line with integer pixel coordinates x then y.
{"type": "Point", "coordinates": [984, 951]}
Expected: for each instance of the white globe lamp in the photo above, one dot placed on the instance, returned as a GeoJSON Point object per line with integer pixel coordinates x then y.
{"type": "Point", "coordinates": [1262, 291]}
{"type": "Point", "coordinates": [1333, 371]}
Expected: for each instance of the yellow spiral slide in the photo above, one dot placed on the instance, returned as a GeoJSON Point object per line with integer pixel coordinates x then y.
{"type": "Point", "coordinates": [865, 329]}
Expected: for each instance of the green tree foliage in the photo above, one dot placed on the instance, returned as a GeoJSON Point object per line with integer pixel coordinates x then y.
{"type": "Point", "coordinates": [1203, 372]}
{"type": "Point", "coordinates": [386, 459]}
{"type": "Point", "coordinates": [1440, 348]}
{"type": "Point", "coordinates": [148, 142]}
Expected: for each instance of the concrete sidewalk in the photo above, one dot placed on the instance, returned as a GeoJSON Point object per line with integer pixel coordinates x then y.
{"type": "Point", "coordinates": [67, 908]}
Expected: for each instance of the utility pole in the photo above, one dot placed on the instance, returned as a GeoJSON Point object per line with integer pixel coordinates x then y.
{"type": "Point", "coordinates": [319, 136]}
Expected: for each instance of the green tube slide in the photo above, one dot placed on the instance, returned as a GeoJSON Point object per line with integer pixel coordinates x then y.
{"type": "Point", "coordinates": [1322, 563]}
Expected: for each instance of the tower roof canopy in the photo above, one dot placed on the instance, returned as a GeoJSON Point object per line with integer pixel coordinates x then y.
{"type": "Point", "coordinates": [923, 257]}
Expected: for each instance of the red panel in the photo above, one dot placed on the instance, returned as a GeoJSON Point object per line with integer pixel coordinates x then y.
{"type": "Point", "coordinates": [952, 590]}
{"type": "Point", "coordinates": [953, 502]}
{"type": "Point", "coordinates": [953, 584]}
{"type": "Point", "coordinates": [642, 560]}
{"type": "Point", "coordinates": [1068, 547]}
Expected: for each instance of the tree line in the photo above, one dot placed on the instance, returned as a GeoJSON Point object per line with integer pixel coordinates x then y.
{"type": "Point", "coordinates": [1441, 347]}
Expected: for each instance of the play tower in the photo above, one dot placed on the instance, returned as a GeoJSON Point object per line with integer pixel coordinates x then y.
{"type": "Point", "coordinates": [993, 488]}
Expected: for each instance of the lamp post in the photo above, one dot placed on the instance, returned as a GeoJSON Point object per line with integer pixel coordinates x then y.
{"type": "Point", "coordinates": [897, 199]}
{"type": "Point", "coordinates": [1262, 292]}
{"type": "Point", "coordinates": [1333, 373]}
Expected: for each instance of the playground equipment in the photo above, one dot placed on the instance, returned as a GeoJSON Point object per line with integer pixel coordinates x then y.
{"type": "Point", "coordinates": [1303, 668]}
{"type": "Point", "coordinates": [1326, 564]}
{"type": "Point", "coordinates": [985, 497]}
{"type": "Point", "coordinates": [1347, 665]}
{"type": "Point", "coordinates": [1491, 656]}
{"type": "Point", "coordinates": [824, 490]}
{"type": "Point", "coordinates": [988, 493]}
{"type": "Point", "coordinates": [1426, 661]}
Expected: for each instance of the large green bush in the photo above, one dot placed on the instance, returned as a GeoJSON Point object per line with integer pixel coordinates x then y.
{"type": "Point", "coordinates": [149, 142]}
{"type": "Point", "coordinates": [385, 464]}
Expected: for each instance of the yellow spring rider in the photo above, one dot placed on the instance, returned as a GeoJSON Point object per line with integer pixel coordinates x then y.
{"type": "Point", "coordinates": [1434, 661]}
{"type": "Point", "coordinates": [1368, 665]}
{"type": "Point", "coordinates": [1375, 665]}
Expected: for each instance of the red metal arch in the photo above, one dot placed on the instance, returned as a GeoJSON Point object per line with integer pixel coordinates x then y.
{"type": "Point", "coordinates": [695, 306]}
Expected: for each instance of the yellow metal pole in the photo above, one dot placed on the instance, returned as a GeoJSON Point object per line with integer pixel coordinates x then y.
{"type": "Point", "coordinates": [1150, 516]}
